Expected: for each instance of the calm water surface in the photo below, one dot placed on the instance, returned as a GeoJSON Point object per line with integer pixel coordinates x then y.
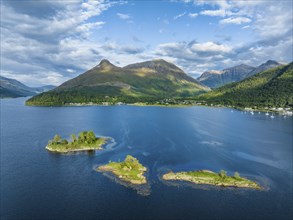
{"type": "Point", "coordinates": [36, 184]}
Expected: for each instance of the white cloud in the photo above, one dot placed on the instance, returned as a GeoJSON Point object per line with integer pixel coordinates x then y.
{"type": "Point", "coordinates": [43, 49]}
{"type": "Point", "coordinates": [33, 47]}
{"type": "Point", "coordinates": [123, 16]}
{"type": "Point", "coordinates": [70, 70]}
{"type": "Point", "coordinates": [235, 20]}
{"type": "Point", "coordinates": [210, 47]}
{"type": "Point", "coordinates": [220, 12]}
{"type": "Point", "coordinates": [192, 15]}
{"type": "Point", "coordinates": [179, 15]}
{"type": "Point", "coordinates": [43, 78]}
{"type": "Point", "coordinates": [275, 21]}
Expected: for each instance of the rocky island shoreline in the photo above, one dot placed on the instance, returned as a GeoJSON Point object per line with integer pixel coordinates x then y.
{"type": "Point", "coordinates": [208, 177]}
{"type": "Point", "coordinates": [86, 141]}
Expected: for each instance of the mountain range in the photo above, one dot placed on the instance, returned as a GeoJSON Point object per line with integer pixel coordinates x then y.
{"type": "Point", "coordinates": [140, 82]}
{"type": "Point", "coordinates": [218, 78]}
{"type": "Point", "coordinates": [269, 88]}
{"type": "Point", "coordinates": [11, 88]}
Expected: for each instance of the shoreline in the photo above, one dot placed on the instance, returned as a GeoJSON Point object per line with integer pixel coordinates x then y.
{"type": "Point", "coordinates": [73, 150]}
{"type": "Point", "coordinates": [245, 109]}
{"type": "Point", "coordinates": [207, 177]}
{"type": "Point", "coordinates": [287, 111]}
{"type": "Point", "coordinates": [80, 148]}
{"type": "Point", "coordinates": [130, 170]}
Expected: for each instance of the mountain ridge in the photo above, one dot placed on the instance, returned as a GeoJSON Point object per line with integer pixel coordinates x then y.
{"type": "Point", "coordinates": [12, 88]}
{"type": "Point", "coordinates": [139, 82]}
{"type": "Point", "coordinates": [269, 88]}
{"type": "Point", "coordinates": [218, 78]}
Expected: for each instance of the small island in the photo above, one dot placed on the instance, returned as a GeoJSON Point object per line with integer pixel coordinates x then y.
{"type": "Point", "coordinates": [211, 178]}
{"type": "Point", "coordinates": [86, 141]}
{"type": "Point", "coordinates": [129, 170]}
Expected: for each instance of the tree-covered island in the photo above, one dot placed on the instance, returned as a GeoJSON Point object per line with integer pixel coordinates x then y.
{"type": "Point", "coordinates": [129, 170]}
{"type": "Point", "coordinates": [85, 141]}
{"type": "Point", "coordinates": [211, 178]}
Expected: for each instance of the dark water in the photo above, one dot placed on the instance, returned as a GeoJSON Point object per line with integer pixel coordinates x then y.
{"type": "Point", "coordinates": [36, 184]}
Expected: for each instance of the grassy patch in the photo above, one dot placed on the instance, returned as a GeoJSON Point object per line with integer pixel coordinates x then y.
{"type": "Point", "coordinates": [129, 170]}
{"type": "Point", "coordinates": [211, 178]}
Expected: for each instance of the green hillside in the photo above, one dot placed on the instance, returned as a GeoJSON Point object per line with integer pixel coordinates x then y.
{"type": "Point", "coordinates": [270, 88]}
{"type": "Point", "coordinates": [141, 82]}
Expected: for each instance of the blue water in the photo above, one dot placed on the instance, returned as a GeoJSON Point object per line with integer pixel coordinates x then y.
{"type": "Point", "coordinates": [36, 184]}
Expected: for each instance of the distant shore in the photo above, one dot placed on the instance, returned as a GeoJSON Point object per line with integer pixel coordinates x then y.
{"type": "Point", "coordinates": [181, 103]}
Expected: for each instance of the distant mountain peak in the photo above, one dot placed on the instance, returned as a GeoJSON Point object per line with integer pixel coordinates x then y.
{"type": "Point", "coordinates": [104, 61]}
{"type": "Point", "coordinates": [216, 78]}
{"type": "Point", "coordinates": [272, 62]}
{"type": "Point", "coordinates": [153, 64]}
{"type": "Point", "coordinates": [147, 81]}
{"type": "Point", "coordinates": [106, 65]}
{"type": "Point", "coordinates": [159, 61]}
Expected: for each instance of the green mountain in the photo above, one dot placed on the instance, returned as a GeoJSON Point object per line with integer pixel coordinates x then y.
{"type": "Point", "coordinates": [11, 88]}
{"type": "Point", "coordinates": [141, 82]}
{"type": "Point", "coordinates": [273, 87]}
{"type": "Point", "coordinates": [218, 78]}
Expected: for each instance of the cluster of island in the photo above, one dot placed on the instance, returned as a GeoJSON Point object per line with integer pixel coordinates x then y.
{"type": "Point", "coordinates": [133, 172]}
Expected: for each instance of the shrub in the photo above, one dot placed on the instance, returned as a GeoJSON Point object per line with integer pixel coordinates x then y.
{"type": "Point", "coordinates": [237, 175]}
{"type": "Point", "coordinates": [223, 174]}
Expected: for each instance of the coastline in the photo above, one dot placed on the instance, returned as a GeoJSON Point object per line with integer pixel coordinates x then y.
{"type": "Point", "coordinates": [73, 150]}
{"type": "Point", "coordinates": [80, 148]}
{"type": "Point", "coordinates": [274, 110]}
{"type": "Point", "coordinates": [209, 180]}
{"type": "Point", "coordinates": [130, 170]}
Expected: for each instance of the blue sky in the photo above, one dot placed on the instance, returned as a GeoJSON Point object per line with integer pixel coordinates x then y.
{"type": "Point", "coordinates": [49, 42]}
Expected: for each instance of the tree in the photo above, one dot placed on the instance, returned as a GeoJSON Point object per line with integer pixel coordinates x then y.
{"type": "Point", "coordinates": [237, 175]}
{"type": "Point", "coordinates": [91, 137]}
{"type": "Point", "coordinates": [73, 138]}
{"type": "Point", "coordinates": [82, 137]}
{"type": "Point", "coordinates": [56, 139]}
{"type": "Point", "coordinates": [223, 174]}
{"type": "Point", "coordinates": [64, 142]}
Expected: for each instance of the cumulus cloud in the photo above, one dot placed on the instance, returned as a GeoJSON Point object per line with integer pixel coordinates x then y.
{"type": "Point", "coordinates": [47, 41]}
{"type": "Point", "coordinates": [235, 20]}
{"type": "Point", "coordinates": [270, 24]}
{"type": "Point", "coordinates": [35, 45]}
{"type": "Point", "coordinates": [210, 47]}
{"type": "Point", "coordinates": [195, 57]}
